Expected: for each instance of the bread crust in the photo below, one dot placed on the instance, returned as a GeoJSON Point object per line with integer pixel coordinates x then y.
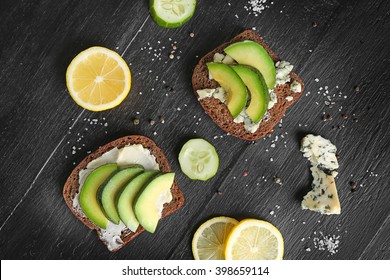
{"type": "Point", "coordinates": [219, 112]}
{"type": "Point", "coordinates": [71, 186]}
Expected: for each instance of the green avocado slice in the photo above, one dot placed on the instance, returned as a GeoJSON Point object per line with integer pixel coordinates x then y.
{"type": "Point", "coordinates": [236, 94]}
{"type": "Point", "coordinates": [89, 202]}
{"type": "Point", "coordinates": [258, 90]}
{"type": "Point", "coordinates": [110, 191]}
{"type": "Point", "coordinates": [252, 54]}
{"type": "Point", "coordinates": [127, 197]}
{"type": "Point", "coordinates": [150, 200]}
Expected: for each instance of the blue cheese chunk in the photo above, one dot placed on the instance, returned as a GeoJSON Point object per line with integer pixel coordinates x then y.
{"type": "Point", "coordinates": [323, 197]}
{"type": "Point", "coordinates": [320, 151]}
{"type": "Point", "coordinates": [283, 70]}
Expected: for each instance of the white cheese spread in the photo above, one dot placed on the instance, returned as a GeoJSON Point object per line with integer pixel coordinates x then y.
{"type": "Point", "coordinates": [164, 198]}
{"type": "Point", "coordinates": [124, 157]}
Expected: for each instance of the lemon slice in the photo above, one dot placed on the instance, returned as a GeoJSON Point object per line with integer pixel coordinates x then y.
{"type": "Point", "coordinates": [98, 79]}
{"type": "Point", "coordinates": [254, 239]}
{"type": "Point", "coordinates": [209, 240]}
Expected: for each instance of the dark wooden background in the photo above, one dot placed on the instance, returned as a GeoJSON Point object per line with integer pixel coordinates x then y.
{"type": "Point", "coordinates": [343, 44]}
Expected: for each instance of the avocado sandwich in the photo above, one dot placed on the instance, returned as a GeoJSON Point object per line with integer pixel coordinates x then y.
{"type": "Point", "coordinates": [122, 189]}
{"type": "Point", "coordinates": [244, 87]}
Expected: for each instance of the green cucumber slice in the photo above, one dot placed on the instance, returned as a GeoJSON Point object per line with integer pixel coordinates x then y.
{"type": "Point", "coordinates": [198, 159]}
{"type": "Point", "coordinates": [110, 191]}
{"type": "Point", "coordinates": [172, 13]}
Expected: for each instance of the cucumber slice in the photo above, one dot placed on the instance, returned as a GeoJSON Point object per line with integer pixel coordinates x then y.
{"type": "Point", "coordinates": [172, 13]}
{"type": "Point", "coordinates": [198, 159]}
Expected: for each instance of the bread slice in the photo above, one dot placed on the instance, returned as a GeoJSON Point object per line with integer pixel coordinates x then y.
{"type": "Point", "coordinates": [219, 111]}
{"type": "Point", "coordinates": [71, 186]}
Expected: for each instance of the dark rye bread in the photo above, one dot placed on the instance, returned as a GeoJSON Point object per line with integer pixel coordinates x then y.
{"type": "Point", "coordinates": [219, 111]}
{"type": "Point", "coordinates": [71, 186]}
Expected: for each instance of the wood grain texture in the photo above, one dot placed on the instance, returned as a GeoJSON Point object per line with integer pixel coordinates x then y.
{"type": "Point", "coordinates": [340, 43]}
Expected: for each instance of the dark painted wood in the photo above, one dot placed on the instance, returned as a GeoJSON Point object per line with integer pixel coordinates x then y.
{"type": "Point", "coordinates": [341, 43]}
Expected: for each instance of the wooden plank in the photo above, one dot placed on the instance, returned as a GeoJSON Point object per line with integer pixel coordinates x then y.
{"type": "Point", "coordinates": [42, 227]}
{"type": "Point", "coordinates": [37, 111]}
{"type": "Point", "coordinates": [379, 247]}
{"type": "Point", "coordinates": [361, 218]}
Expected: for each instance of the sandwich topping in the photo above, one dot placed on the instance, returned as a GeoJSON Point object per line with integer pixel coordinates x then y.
{"type": "Point", "coordinates": [282, 76]}
{"type": "Point", "coordinates": [108, 177]}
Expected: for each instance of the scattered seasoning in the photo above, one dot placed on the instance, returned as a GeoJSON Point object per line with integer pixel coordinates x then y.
{"type": "Point", "coordinates": [192, 35]}
{"type": "Point", "coordinates": [277, 180]}
{"type": "Point", "coordinates": [152, 122]}
{"type": "Point", "coordinates": [219, 192]}
{"type": "Point", "coordinates": [77, 145]}
{"type": "Point", "coordinates": [344, 116]}
{"type": "Point", "coordinates": [327, 242]}
{"type": "Point", "coordinates": [171, 56]}
{"type": "Point", "coordinates": [356, 88]}
{"type": "Point", "coordinates": [314, 24]}
{"type": "Point", "coordinates": [162, 119]}
{"type": "Point", "coordinates": [353, 186]}
{"type": "Point", "coordinates": [256, 7]}
{"type": "Point", "coordinates": [245, 174]}
{"type": "Point", "coordinates": [136, 121]}
{"type": "Point", "coordinates": [327, 117]}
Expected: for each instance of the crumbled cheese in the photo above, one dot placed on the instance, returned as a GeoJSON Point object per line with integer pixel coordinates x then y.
{"type": "Point", "coordinates": [289, 98]}
{"type": "Point", "coordinates": [296, 87]}
{"type": "Point", "coordinates": [221, 58]}
{"type": "Point", "coordinates": [217, 93]}
{"type": "Point", "coordinates": [273, 99]}
{"type": "Point", "coordinates": [203, 93]}
{"type": "Point", "coordinates": [218, 57]}
{"type": "Point", "coordinates": [248, 124]}
{"type": "Point", "coordinates": [228, 60]}
{"type": "Point", "coordinates": [283, 70]}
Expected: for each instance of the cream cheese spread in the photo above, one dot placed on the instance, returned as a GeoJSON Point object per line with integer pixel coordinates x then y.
{"type": "Point", "coordinates": [123, 157]}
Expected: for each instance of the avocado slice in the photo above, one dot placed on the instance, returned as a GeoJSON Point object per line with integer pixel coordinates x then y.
{"type": "Point", "coordinates": [109, 192]}
{"type": "Point", "coordinates": [252, 54]}
{"type": "Point", "coordinates": [151, 199]}
{"type": "Point", "coordinates": [88, 195]}
{"type": "Point", "coordinates": [258, 90]}
{"type": "Point", "coordinates": [127, 197]}
{"type": "Point", "coordinates": [232, 84]}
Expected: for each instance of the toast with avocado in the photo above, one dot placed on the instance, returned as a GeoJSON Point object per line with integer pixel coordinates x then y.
{"type": "Point", "coordinates": [122, 189]}
{"type": "Point", "coordinates": [244, 86]}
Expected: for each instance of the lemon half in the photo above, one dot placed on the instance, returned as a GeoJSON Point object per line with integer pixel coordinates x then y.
{"type": "Point", "coordinates": [98, 79]}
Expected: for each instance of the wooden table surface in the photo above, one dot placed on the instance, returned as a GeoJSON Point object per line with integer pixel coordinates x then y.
{"type": "Point", "coordinates": [334, 45]}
